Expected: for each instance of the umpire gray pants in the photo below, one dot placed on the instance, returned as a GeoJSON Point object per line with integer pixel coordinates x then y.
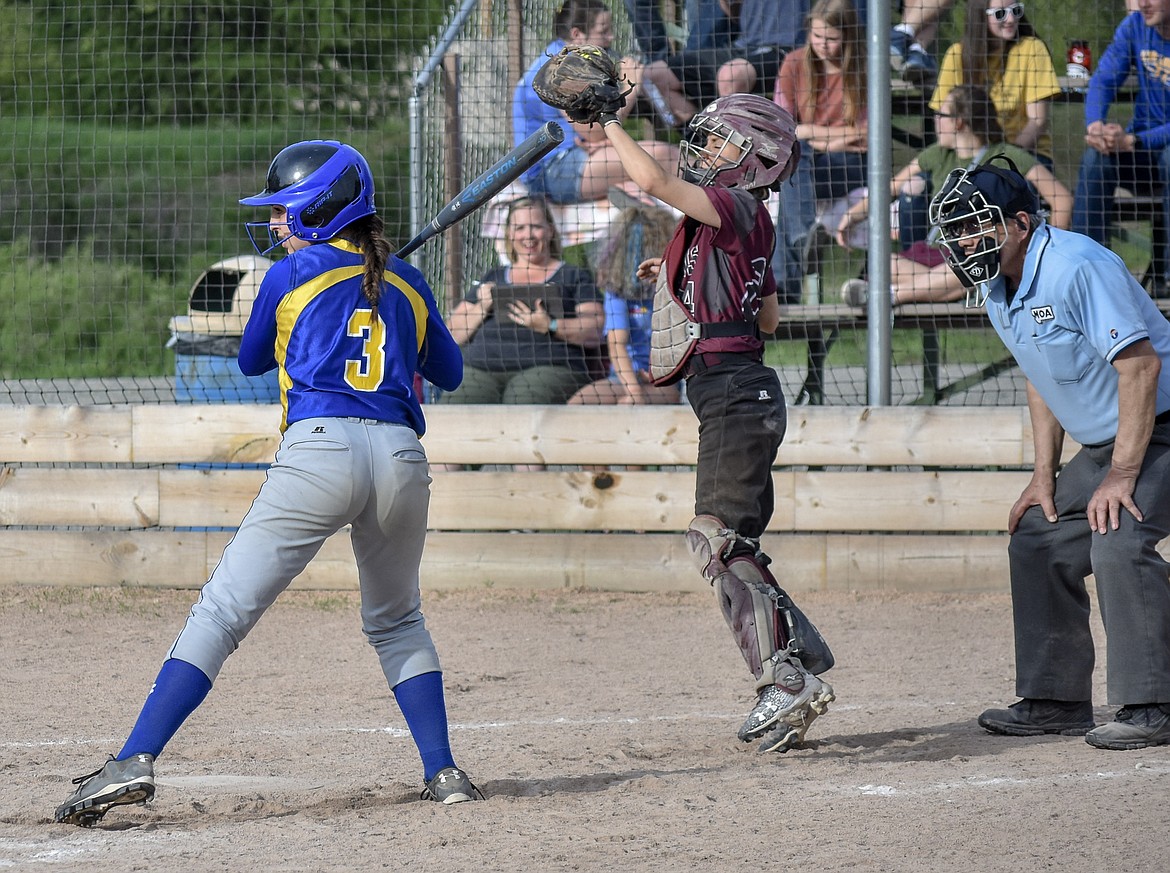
{"type": "Point", "coordinates": [1049, 562]}
{"type": "Point", "coordinates": [328, 472]}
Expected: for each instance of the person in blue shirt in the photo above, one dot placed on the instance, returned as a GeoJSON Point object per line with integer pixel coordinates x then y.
{"type": "Point", "coordinates": [1096, 354]}
{"type": "Point", "coordinates": [583, 167]}
{"type": "Point", "coordinates": [707, 22]}
{"type": "Point", "coordinates": [639, 232]}
{"type": "Point", "coordinates": [347, 325]}
{"type": "Point", "coordinates": [689, 80]}
{"type": "Point", "coordinates": [1136, 157]}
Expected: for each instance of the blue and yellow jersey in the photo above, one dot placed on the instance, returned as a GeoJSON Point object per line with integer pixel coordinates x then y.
{"type": "Point", "coordinates": [337, 359]}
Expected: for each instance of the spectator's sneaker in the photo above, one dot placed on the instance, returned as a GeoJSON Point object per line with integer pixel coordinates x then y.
{"type": "Point", "coordinates": [920, 69]}
{"type": "Point", "coordinates": [116, 783]}
{"type": "Point", "coordinates": [1032, 718]}
{"type": "Point", "coordinates": [450, 786]}
{"type": "Point", "coordinates": [1135, 727]}
{"type": "Point", "coordinates": [796, 690]}
{"type": "Point", "coordinates": [900, 43]}
{"type": "Point", "coordinates": [855, 292]}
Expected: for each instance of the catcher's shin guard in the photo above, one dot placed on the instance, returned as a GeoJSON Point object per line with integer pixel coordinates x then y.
{"type": "Point", "coordinates": [767, 626]}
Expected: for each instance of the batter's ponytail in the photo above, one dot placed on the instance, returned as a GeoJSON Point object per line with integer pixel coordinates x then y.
{"type": "Point", "coordinates": [367, 235]}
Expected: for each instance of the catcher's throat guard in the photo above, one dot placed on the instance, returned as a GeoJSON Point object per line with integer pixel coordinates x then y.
{"type": "Point", "coordinates": [768, 627]}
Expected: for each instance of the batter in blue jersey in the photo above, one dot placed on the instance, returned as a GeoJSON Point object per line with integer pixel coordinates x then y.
{"type": "Point", "coordinates": [348, 325]}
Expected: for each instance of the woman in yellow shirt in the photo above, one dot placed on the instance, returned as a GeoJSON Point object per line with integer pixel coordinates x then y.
{"type": "Point", "coordinates": [1000, 52]}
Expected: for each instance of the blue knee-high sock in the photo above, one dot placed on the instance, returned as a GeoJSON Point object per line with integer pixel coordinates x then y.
{"type": "Point", "coordinates": [176, 693]}
{"type": "Point", "coordinates": [421, 700]}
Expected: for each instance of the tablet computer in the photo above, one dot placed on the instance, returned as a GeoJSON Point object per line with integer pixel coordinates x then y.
{"type": "Point", "coordinates": [502, 295]}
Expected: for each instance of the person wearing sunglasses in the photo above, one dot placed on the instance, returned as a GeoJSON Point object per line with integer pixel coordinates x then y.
{"type": "Point", "coordinates": [1137, 156]}
{"type": "Point", "coordinates": [1000, 52]}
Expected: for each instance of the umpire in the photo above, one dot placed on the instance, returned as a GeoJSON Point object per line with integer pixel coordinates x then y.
{"type": "Point", "coordinates": [1094, 348]}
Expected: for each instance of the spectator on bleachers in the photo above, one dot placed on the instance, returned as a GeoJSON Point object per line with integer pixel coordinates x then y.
{"type": "Point", "coordinates": [1000, 52]}
{"type": "Point", "coordinates": [968, 135]}
{"type": "Point", "coordinates": [584, 166]}
{"type": "Point", "coordinates": [1136, 157]}
{"type": "Point", "coordinates": [689, 80]}
{"type": "Point", "coordinates": [822, 85]}
{"type": "Point", "coordinates": [638, 233]}
{"type": "Point", "coordinates": [909, 38]}
{"type": "Point", "coordinates": [525, 354]}
{"type": "Point", "coordinates": [708, 25]}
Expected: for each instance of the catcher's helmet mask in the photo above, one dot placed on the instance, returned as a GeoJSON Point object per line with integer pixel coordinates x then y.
{"type": "Point", "coordinates": [323, 186]}
{"type": "Point", "coordinates": [975, 204]}
{"type": "Point", "coordinates": [764, 133]}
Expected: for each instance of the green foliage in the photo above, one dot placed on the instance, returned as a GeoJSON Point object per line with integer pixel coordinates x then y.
{"type": "Point", "coordinates": [184, 62]}
{"type": "Point", "coordinates": [96, 259]}
{"type": "Point", "coordinates": [160, 197]}
{"type": "Point", "coordinates": [81, 316]}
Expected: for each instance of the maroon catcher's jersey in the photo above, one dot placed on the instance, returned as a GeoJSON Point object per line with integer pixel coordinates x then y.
{"type": "Point", "coordinates": [721, 275]}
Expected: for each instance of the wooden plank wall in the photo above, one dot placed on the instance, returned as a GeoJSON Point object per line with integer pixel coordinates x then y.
{"type": "Point", "coordinates": [903, 498]}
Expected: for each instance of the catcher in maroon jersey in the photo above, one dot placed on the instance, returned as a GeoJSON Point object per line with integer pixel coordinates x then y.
{"type": "Point", "coordinates": [715, 297]}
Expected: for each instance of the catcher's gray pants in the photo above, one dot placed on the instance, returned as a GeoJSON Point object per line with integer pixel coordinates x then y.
{"type": "Point", "coordinates": [328, 472]}
{"type": "Point", "coordinates": [1049, 563]}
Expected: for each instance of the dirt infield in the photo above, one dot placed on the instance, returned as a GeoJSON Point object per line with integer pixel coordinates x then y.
{"type": "Point", "coordinates": [602, 727]}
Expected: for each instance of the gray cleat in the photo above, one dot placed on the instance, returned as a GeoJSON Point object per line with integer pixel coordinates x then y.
{"type": "Point", "coordinates": [116, 783]}
{"type": "Point", "coordinates": [795, 692]}
{"type": "Point", "coordinates": [451, 785]}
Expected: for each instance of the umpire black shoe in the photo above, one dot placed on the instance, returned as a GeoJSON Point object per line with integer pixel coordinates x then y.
{"type": "Point", "coordinates": [1135, 727]}
{"type": "Point", "coordinates": [1031, 718]}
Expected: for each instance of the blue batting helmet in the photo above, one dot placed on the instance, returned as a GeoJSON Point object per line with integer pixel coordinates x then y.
{"type": "Point", "coordinates": [323, 186]}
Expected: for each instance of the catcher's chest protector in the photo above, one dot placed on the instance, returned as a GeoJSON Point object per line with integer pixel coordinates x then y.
{"type": "Point", "coordinates": [673, 334]}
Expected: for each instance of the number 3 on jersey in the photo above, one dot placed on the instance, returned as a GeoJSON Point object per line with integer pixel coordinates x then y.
{"type": "Point", "coordinates": [366, 374]}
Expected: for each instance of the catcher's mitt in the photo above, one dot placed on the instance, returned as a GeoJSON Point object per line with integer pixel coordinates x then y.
{"type": "Point", "coordinates": [584, 81]}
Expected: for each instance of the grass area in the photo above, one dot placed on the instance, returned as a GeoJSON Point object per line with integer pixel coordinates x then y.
{"type": "Point", "coordinates": [106, 228]}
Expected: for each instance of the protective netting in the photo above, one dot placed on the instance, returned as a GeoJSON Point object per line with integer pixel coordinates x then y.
{"type": "Point", "coordinates": [129, 131]}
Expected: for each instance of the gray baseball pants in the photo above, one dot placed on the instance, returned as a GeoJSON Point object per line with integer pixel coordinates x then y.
{"type": "Point", "coordinates": [328, 472]}
{"type": "Point", "coordinates": [1050, 603]}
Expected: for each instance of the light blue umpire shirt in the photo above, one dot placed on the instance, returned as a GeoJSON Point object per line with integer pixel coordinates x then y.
{"type": "Point", "coordinates": [1077, 307]}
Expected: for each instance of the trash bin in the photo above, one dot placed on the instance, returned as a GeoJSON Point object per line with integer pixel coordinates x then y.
{"type": "Point", "coordinates": [206, 340]}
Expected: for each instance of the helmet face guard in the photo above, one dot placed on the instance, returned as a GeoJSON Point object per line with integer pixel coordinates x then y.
{"type": "Point", "coordinates": [699, 164]}
{"type": "Point", "coordinates": [969, 214]}
{"type": "Point", "coordinates": [961, 213]}
{"type": "Point", "coordinates": [322, 185]}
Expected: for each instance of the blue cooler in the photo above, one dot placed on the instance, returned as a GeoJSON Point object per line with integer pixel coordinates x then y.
{"type": "Point", "coordinates": [206, 340]}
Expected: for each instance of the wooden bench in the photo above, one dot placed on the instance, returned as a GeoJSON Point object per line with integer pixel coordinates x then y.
{"type": "Point", "coordinates": [1130, 208]}
{"type": "Point", "coordinates": [904, 498]}
{"type": "Point", "coordinates": [818, 327]}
